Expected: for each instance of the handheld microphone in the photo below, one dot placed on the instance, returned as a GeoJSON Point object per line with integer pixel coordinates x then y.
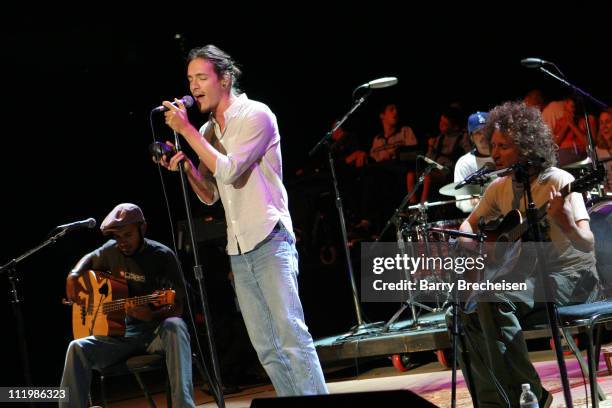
{"type": "Point", "coordinates": [159, 149]}
{"type": "Point", "coordinates": [379, 83]}
{"type": "Point", "coordinates": [88, 223]}
{"type": "Point", "coordinates": [533, 62]}
{"type": "Point", "coordinates": [434, 163]}
{"type": "Point", "coordinates": [187, 101]}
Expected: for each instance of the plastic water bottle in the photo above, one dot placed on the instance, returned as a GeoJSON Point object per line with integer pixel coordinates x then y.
{"type": "Point", "coordinates": [528, 398]}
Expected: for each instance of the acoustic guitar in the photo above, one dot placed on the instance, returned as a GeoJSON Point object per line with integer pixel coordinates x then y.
{"type": "Point", "coordinates": [102, 311]}
{"type": "Point", "coordinates": [513, 226]}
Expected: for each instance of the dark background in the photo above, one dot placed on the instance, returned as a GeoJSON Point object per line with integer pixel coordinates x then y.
{"type": "Point", "coordinates": [75, 132]}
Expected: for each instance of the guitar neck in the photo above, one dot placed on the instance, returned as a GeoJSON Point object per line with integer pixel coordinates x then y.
{"type": "Point", "coordinates": [119, 304]}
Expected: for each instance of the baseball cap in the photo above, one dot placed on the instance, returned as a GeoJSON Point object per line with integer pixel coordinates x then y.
{"type": "Point", "coordinates": [122, 214]}
{"type": "Point", "coordinates": [476, 121]}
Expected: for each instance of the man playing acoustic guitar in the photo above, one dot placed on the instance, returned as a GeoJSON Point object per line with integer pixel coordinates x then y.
{"type": "Point", "coordinates": [494, 341]}
{"type": "Point", "coordinates": [146, 266]}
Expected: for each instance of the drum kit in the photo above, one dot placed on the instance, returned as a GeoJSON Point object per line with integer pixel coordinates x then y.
{"type": "Point", "coordinates": [413, 225]}
{"type": "Point", "coordinates": [579, 169]}
{"type": "Point", "coordinates": [420, 229]}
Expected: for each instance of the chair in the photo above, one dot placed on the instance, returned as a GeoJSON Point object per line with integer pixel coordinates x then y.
{"type": "Point", "coordinates": [144, 363]}
{"type": "Point", "coordinates": [588, 316]}
{"type": "Point", "coordinates": [136, 365]}
{"type": "Point", "coordinates": [592, 315]}
{"type": "Point", "coordinates": [581, 318]}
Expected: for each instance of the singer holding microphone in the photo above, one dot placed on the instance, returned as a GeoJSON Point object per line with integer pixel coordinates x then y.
{"type": "Point", "coordinates": [240, 164]}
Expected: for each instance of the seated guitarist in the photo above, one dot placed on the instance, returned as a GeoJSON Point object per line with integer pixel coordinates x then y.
{"type": "Point", "coordinates": [493, 339]}
{"type": "Point", "coordinates": [147, 266]}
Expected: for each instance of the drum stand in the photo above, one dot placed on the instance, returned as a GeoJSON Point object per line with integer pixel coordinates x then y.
{"type": "Point", "coordinates": [396, 220]}
{"type": "Point", "coordinates": [410, 302]}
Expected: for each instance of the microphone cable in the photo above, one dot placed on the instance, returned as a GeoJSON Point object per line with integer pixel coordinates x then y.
{"type": "Point", "coordinates": [217, 386]}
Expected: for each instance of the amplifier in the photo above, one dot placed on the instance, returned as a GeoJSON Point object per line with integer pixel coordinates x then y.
{"type": "Point", "coordinates": [207, 230]}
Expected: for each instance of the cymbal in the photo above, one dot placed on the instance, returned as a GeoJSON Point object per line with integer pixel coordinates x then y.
{"type": "Point", "coordinates": [579, 164]}
{"type": "Point", "coordinates": [470, 189]}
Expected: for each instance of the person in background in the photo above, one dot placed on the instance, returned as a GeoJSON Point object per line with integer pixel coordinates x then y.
{"type": "Point", "coordinates": [445, 149]}
{"type": "Point", "coordinates": [604, 145]}
{"type": "Point", "coordinates": [561, 117]}
{"type": "Point", "coordinates": [535, 99]}
{"type": "Point", "coordinates": [385, 181]}
{"type": "Point", "coordinates": [475, 159]}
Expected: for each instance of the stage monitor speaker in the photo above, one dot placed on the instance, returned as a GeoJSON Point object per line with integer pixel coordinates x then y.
{"type": "Point", "coordinates": [399, 398]}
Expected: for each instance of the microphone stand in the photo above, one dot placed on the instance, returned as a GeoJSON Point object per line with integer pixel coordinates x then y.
{"type": "Point", "coordinates": [405, 200]}
{"type": "Point", "coordinates": [395, 219]}
{"type": "Point", "coordinates": [575, 88]}
{"type": "Point", "coordinates": [361, 326]}
{"type": "Point", "coordinates": [532, 219]}
{"type": "Point", "coordinates": [11, 271]}
{"type": "Point", "coordinates": [591, 151]}
{"type": "Point", "coordinates": [455, 328]}
{"type": "Point", "coordinates": [544, 280]}
{"type": "Point", "coordinates": [216, 384]}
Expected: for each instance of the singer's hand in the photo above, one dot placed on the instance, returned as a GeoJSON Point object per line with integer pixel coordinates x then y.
{"type": "Point", "coordinates": [176, 116]}
{"type": "Point", "coordinates": [172, 163]}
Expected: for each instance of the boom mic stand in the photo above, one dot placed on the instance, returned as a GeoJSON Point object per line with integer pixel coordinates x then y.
{"type": "Point", "coordinates": [361, 326]}
{"type": "Point", "coordinates": [591, 151]}
{"type": "Point", "coordinates": [216, 385]}
{"type": "Point", "coordinates": [405, 200]}
{"type": "Point", "coordinates": [544, 280]}
{"type": "Point", "coordinates": [11, 271]}
{"type": "Point", "coordinates": [456, 328]}
{"type": "Point", "coordinates": [532, 212]}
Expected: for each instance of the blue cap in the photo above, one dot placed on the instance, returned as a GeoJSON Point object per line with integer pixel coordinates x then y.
{"type": "Point", "coordinates": [476, 121]}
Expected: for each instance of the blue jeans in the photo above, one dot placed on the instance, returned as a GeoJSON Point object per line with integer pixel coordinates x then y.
{"type": "Point", "coordinates": [267, 290]}
{"type": "Point", "coordinates": [172, 339]}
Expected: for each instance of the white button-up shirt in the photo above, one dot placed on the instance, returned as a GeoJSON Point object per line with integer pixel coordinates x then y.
{"type": "Point", "coordinates": [249, 174]}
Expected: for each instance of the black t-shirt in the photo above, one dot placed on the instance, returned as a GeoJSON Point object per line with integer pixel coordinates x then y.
{"type": "Point", "coordinates": [154, 268]}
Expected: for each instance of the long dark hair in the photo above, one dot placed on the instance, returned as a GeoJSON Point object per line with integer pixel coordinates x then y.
{"type": "Point", "coordinates": [222, 62]}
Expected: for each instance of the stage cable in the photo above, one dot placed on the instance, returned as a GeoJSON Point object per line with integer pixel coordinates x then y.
{"type": "Point", "coordinates": [186, 288]}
